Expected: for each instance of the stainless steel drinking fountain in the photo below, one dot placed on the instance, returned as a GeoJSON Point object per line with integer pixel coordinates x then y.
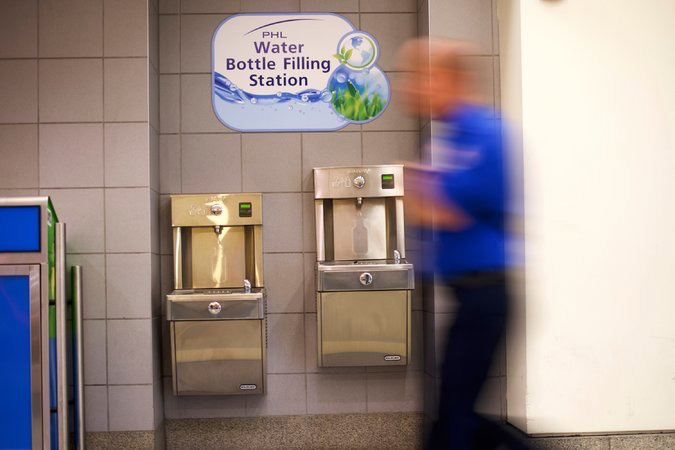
{"type": "Point", "coordinates": [364, 283]}
{"type": "Point", "coordinates": [217, 310]}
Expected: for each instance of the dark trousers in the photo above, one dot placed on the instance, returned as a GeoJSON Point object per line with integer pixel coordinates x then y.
{"type": "Point", "coordinates": [470, 349]}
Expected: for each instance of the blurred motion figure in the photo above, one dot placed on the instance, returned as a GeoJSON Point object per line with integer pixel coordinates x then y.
{"type": "Point", "coordinates": [464, 200]}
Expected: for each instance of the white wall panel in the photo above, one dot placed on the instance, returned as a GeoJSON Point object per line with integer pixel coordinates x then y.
{"type": "Point", "coordinates": [591, 84]}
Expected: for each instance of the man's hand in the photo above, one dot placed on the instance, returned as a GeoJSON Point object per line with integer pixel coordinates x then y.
{"type": "Point", "coordinates": [425, 203]}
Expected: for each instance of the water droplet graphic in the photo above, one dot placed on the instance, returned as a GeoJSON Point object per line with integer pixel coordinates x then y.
{"type": "Point", "coordinates": [254, 100]}
{"type": "Point", "coordinates": [279, 94]}
{"type": "Point", "coordinates": [290, 107]}
{"type": "Point", "coordinates": [341, 78]}
{"type": "Point", "coordinates": [305, 97]}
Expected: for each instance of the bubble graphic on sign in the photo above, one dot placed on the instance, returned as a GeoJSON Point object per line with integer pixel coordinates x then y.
{"type": "Point", "coordinates": [359, 89]}
{"type": "Point", "coordinates": [357, 50]}
{"type": "Point", "coordinates": [360, 97]}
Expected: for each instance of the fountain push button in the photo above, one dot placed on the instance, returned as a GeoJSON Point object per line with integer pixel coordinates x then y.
{"type": "Point", "coordinates": [366, 279]}
{"type": "Point", "coordinates": [214, 308]}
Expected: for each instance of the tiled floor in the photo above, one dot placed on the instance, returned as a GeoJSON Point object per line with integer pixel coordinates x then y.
{"type": "Point", "coordinates": [381, 431]}
{"type": "Point", "coordinates": [617, 442]}
{"type": "Point", "coordinates": [397, 430]}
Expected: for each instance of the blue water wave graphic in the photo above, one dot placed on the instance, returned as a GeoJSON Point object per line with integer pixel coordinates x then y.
{"type": "Point", "coordinates": [229, 92]}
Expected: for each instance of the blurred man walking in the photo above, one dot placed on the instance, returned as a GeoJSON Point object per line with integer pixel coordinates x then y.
{"type": "Point", "coordinates": [464, 199]}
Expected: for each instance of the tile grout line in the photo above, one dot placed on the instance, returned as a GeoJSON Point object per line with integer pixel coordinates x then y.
{"type": "Point", "coordinates": [105, 244]}
{"type": "Point", "coordinates": [394, 70]}
{"type": "Point", "coordinates": [218, 13]}
{"type": "Point", "coordinates": [25, 58]}
{"type": "Point", "coordinates": [492, 48]}
{"type": "Point", "coordinates": [230, 133]}
{"type": "Point", "coordinates": [149, 115]}
{"type": "Point", "coordinates": [37, 60]}
{"type": "Point", "coordinates": [93, 122]}
{"type": "Point", "coordinates": [304, 300]}
{"type": "Point", "coordinates": [180, 95]}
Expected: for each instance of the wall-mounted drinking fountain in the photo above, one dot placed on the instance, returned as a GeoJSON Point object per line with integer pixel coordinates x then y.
{"type": "Point", "coordinates": [364, 283]}
{"type": "Point", "coordinates": [217, 310]}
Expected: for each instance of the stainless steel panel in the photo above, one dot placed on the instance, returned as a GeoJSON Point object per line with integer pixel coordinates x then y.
{"type": "Point", "coordinates": [209, 294]}
{"type": "Point", "coordinates": [76, 273]}
{"type": "Point", "coordinates": [214, 209]}
{"type": "Point", "coordinates": [218, 259]}
{"type": "Point", "coordinates": [186, 306]}
{"type": "Point", "coordinates": [61, 338]}
{"type": "Point", "coordinates": [42, 342]}
{"type": "Point", "coordinates": [348, 277]}
{"type": "Point", "coordinates": [218, 357]}
{"type": "Point", "coordinates": [359, 231]}
{"type": "Point", "coordinates": [177, 258]}
{"type": "Point", "coordinates": [364, 328]}
{"type": "Point", "coordinates": [257, 255]}
{"type": "Point", "coordinates": [338, 182]}
{"type": "Point", "coordinates": [400, 227]}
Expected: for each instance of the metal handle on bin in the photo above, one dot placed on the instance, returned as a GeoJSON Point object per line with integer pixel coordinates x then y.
{"type": "Point", "coordinates": [61, 356]}
{"type": "Point", "coordinates": [76, 274]}
{"type": "Point", "coordinates": [397, 257]}
{"type": "Point", "coordinates": [247, 286]}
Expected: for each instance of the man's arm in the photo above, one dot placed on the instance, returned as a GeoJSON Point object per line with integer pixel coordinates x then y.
{"type": "Point", "coordinates": [425, 205]}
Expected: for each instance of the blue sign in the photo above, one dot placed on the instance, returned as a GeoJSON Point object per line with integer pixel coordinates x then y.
{"type": "Point", "coordinates": [19, 229]}
{"type": "Point", "coordinates": [295, 72]}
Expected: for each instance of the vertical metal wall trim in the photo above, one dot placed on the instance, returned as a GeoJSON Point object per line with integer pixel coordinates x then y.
{"type": "Point", "coordinates": [320, 231]}
{"type": "Point", "coordinates": [177, 258]}
{"type": "Point", "coordinates": [61, 355]}
{"type": "Point", "coordinates": [400, 227]}
{"type": "Point", "coordinates": [76, 273]}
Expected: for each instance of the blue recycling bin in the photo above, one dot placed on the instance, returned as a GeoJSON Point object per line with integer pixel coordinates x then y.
{"type": "Point", "coordinates": [33, 348]}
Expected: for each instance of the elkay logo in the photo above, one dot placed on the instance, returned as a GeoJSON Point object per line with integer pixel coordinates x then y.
{"type": "Point", "coordinates": [297, 72]}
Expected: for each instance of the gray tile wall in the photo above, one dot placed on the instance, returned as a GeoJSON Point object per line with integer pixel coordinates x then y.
{"type": "Point", "coordinates": [79, 121]}
{"type": "Point", "coordinates": [107, 103]}
{"type": "Point", "coordinates": [199, 154]}
{"type": "Point", "coordinates": [474, 21]}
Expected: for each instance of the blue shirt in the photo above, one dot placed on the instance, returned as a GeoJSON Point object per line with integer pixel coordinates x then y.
{"type": "Point", "coordinates": [475, 182]}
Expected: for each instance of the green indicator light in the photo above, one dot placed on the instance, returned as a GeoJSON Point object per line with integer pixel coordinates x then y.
{"type": "Point", "coordinates": [245, 206]}
{"type": "Point", "coordinates": [387, 177]}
